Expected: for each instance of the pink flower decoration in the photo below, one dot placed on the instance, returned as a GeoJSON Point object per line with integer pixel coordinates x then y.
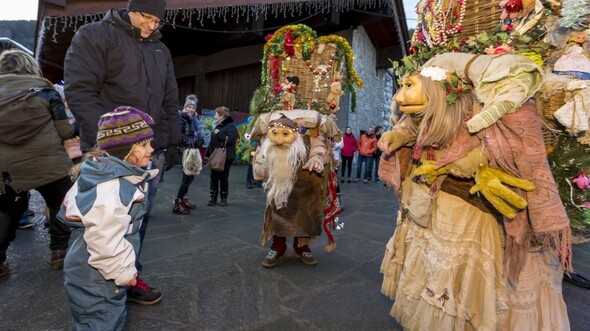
{"type": "Point", "coordinates": [586, 204]}
{"type": "Point", "coordinates": [582, 181]}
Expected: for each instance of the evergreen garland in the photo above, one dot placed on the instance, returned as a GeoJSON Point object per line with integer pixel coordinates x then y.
{"type": "Point", "coordinates": [569, 160]}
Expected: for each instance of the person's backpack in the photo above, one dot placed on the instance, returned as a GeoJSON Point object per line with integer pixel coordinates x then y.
{"type": "Point", "coordinates": [21, 119]}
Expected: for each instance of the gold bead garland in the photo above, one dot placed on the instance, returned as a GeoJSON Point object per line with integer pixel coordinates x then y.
{"type": "Point", "coordinates": [439, 19]}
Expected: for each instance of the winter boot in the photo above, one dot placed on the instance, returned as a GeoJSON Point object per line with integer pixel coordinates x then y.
{"type": "Point", "coordinates": [179, 208]}
{"type": "Point", "coordinates": [57, 259]}
{"type": "Point", "coordinates": [303, 253]}
{"type": "Point", "coordinates": [187, 204]}
{"type": "Point", "coordinates": [277, 252]}
{"type": "Point", "coordinates": [212, 198]}
{"type": "Point", "coordinates": [223, 199]}
{"type": "Point", "coordinates": [143, 294]}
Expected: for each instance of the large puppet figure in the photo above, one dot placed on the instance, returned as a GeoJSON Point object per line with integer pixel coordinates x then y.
{"type": "Point", "coordinates": [482, 238]}
{"type": "Point", "coordinates": [292, 166]}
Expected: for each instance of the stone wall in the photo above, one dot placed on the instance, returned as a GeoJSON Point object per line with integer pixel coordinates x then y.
{"type": "Point", "coordinates": [373, 100]}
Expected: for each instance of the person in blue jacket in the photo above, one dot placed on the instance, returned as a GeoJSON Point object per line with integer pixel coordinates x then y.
{"type": "Point", "coordinates": [107, 204]}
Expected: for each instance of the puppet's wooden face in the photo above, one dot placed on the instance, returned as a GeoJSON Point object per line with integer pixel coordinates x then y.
{"type": "Point", "coordinates": [411, 97]}
{"type": "Point", "coordinates": [281, 136]}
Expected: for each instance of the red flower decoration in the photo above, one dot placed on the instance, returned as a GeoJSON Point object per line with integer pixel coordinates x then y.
{"type": "Point", "coordinates": [289, 45]}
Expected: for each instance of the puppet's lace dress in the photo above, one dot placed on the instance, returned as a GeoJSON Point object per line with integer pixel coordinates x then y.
{"type": "Point", "coordinates": [449, 275]}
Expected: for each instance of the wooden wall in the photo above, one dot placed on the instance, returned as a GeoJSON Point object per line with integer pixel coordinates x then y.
{"type": "Point", "coordinates": [232, 88]}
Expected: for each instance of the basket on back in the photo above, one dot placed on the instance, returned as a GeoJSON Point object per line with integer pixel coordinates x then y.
{"type": "Point", "coordinates": [480, 16]}
{"type": "Point", "coordinates": [315, 75]}
{"type": "Point", "coordinates": [439, 21]}
{"type": "Point", "coordinates": [303, 71]}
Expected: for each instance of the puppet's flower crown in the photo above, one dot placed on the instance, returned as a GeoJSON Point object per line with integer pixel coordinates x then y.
{"type": "Point", "coordinates": [453, 85]}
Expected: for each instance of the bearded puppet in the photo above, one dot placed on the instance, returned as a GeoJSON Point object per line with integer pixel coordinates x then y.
{"type": "Point", "coordinates": [292, 166]}
{"type": "Point", "coordinates": [449, 260]}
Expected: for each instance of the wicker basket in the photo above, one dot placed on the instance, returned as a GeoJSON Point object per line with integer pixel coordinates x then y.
{"type": "Point", "coordinates": [549, 137]}
{"type": "Point", "coordinates": [555, 102]}
{"type": "Point", "coordinates": [480, 16]}
{"type": "Point", "coordinates": [547, 105]}
{"type": "Point", "coordinates": [313, 86]}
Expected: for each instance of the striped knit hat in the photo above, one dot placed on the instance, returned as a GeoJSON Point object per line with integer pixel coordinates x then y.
{"type": "Point", "coordinates": [123, 128]}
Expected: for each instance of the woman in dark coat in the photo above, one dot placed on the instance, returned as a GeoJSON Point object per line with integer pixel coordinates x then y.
{"type": "Point", "coordinates": [224, 133]}
{"type": "Point", "coordinates": [189, 138]}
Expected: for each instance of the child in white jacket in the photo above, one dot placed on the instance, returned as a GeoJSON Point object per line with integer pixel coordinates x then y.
{"type": "Point", "coordinates": [107, 203]}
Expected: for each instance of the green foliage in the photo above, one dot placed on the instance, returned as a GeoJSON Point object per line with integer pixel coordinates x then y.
{"type": "Point", "coordinates": [477, 44]}
{"type": "Point", "coordinates": [454, 88]}
{"type": "Point", "coordinates": [242, 145]}
{"type": "Point", "coordinates": [260, 100]}
{"type": "Point", "coordinates": [209, 123]}
{"type": "Point", "coordinates": [567, 161]}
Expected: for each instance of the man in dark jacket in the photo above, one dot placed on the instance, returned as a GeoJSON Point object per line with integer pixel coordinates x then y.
{"type": "Point", "coordinates": [121, 61]}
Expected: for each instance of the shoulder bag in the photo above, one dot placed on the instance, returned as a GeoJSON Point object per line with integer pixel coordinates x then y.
{"type": "Point", "coordinates": [216, 160]}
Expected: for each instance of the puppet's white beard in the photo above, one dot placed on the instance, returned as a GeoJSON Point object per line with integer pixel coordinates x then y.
{"type": "Point", "coordinates": [282, 165]}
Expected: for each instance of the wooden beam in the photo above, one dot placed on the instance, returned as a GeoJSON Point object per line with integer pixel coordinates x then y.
{"type": "Point", "coordinates": [401, 27]}
{"type": "Point", "coordinates": [61, 3]}
{"type": "Point", "coordinates": [67, 8]}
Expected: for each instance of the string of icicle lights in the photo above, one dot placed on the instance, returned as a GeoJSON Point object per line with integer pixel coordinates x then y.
{"type": "Point", "coordinates": [194, 18]}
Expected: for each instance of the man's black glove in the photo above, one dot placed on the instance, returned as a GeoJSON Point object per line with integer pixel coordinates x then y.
{"type": "Point", "coordinates": [171, 154]}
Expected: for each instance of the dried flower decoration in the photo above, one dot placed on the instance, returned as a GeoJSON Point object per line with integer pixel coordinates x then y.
{"type": "Point", "coordinates": [435, 73]}
{"type": "Point", "coordinates": [453, 85]}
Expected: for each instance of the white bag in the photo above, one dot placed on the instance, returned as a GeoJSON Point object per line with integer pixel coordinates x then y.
{"type": "Point", "coordinates": [192, 164]}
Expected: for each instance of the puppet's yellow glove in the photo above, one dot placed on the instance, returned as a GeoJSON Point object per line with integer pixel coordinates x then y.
{"type": "Point", "coordinates": [489, 181]}
{"type": "Point", "coordinates": [468, 165]}
{"type": "Point", "coordinates": [391, 141]}
{"type": "Point", "coordinates": [428, 169]}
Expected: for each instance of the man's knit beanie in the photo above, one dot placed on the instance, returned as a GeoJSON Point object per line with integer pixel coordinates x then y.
{"type": "Point", "coordinates": [152, 7]}
{"type": "Point", "coordinates": [123, 128]}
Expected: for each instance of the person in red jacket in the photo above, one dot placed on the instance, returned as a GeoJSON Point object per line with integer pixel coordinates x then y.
{"type": "Point", "coordinates": [367, 145]}
{"type": "Point", "coordinates": [347, 153]}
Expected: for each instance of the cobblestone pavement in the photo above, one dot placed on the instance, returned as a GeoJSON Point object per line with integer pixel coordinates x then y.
{"type": "Point", "coordinates": [207, 266]}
